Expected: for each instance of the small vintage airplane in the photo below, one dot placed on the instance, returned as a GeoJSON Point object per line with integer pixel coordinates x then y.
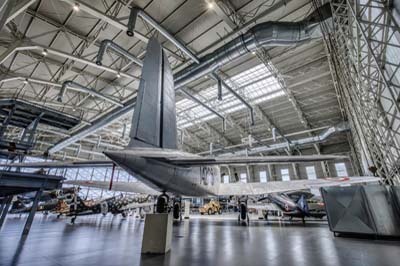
{"type": "Point", "coordinates": [47, 202]}
{"type": "Point", "coordinates": [114, 205]}
{"type": "Point", "coordinates": [295, 204]}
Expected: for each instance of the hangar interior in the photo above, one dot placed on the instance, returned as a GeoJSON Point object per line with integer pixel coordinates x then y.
{"type": "Point", "coordinates": [70, 72]}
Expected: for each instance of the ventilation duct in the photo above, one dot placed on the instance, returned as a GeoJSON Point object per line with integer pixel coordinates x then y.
{"type": "Point", "coordinates": [108, 44]}
{"type": "Point", "coordinates": [262, 35]}
{"type": "Point", "coordinates": [78, 87]}
{"type": "Point", "coordinates": [300, 142]}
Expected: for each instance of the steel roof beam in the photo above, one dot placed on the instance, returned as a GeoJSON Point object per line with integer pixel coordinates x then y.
{"type": "Point", "coordinates": [98, 14]}
{"type": "Point", "coordinates": [78, 87]}
{"type": "Point", "coordinates": [31, 46]}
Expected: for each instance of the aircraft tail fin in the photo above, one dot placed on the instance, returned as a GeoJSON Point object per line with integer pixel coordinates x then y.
{"type": "Point", "coordinates": [303, 205]}
{"type": "Point", "coordinates": [154, 118]}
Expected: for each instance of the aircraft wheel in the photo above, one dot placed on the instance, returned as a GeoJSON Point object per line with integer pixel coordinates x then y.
{"type": "Point", "coordinates": [177, 210]}
{"type": "Point", "coordinates": [73, 220]}
{"type": "Point", "coordinates": [243, 211]}
{"type": "Point", "coordinates": [209, 212]}
{"type": "Point", "coordinates": [162, 203]}
{"type": "Point", "coordinates": [220, 211]}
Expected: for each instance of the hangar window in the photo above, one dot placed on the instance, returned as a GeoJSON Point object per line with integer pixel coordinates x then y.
{"type": "Point", "coordinates": [341, 169]}
{"type": "Point", "coordinates": [263, 177]}
{"type": "Point", "coordinates": [243, 178]}
{"type": "Point", "coordinates": [225, 179]}
{"type": "Point", "coordinates": [285, 174]}
{"type": "Point", "coordinates": [311, 172]}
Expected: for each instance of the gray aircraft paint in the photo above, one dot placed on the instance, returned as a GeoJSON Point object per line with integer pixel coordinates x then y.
{"type": "Point", "coordinates": [152, 156]}
{"type": "Point", "coordinates": [154, 120]}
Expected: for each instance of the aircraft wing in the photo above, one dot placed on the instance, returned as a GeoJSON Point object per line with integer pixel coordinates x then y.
{"type": "Point", "coordinates": [133, 187]}
{"type": "Point", "coordinates": [239, 188]}
{"type": "Point", "coordinates": [235, 160]}
{"type": "Point", "coordinates": [63, 164]}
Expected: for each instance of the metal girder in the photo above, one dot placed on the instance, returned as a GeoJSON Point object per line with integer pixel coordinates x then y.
{"type": "Point", "coordinates": [96, 125]}
{"type": "Point", "coordinates": [18, 8]}
{"type": "Point", "coordinates": [222, 9]}
{"type": "Point", "coordinates": [364, 51]}
{"type": "Point", "coordinates": [17, 47]}
{"type": "Point", "coordinates": [78, 87]}
{"type": "Point", "coordinates": [115, 23]}
{"type": "Point", "coordinates": [5, 10]}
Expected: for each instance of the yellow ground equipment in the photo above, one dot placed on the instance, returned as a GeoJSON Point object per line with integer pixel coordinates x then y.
{"type": "Point", "coordinates": [210, 208]}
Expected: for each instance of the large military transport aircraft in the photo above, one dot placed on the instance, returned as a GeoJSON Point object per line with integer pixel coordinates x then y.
{"type": "Point", "coordinates": [153, 158]}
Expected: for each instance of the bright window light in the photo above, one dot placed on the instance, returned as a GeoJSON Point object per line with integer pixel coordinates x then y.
{"type": "Point", "coordinates": [311, 172]}
{"type": "Point", "coordinates": [285, 174]}
{"type": "Point", "coordinates": [263, 177]}
{"type": "Point", "coordinates": [225, 179]}
{"type": "Point", "coordinates": [256, 84]}
{"type": "Point", "coordinates": [243, 178]}
{"type": "Point", "coordinates": [341, 169]}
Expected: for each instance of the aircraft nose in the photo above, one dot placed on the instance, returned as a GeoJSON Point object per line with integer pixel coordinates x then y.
{"type": "Point", "coordinates": [116, 156]}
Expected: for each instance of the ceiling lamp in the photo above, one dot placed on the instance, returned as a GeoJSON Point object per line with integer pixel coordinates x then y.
{"type": "Point", "coordinates": [76, 7]}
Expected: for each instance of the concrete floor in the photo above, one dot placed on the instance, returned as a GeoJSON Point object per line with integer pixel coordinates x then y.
{"type": "Point", "coordinates": [201, 241]}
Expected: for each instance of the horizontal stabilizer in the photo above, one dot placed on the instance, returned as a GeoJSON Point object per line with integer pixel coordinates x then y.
{"type": "Point", "coordinates": [235, 160]}
{"type": "Point", "coordinates": [239, 188]}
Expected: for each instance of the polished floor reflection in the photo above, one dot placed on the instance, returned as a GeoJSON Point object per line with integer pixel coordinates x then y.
{"type": "Point", "coordinates": [98, 240]}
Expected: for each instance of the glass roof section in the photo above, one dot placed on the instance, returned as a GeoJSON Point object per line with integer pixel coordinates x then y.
{"type": "Point", "coordinates": [256, 85]}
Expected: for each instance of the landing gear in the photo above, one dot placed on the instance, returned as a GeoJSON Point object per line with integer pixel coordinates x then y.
{"type": "Point", "coordinates": [243, 212]}
{"type": "Point", "coordinates": [73, 220]}
{"type": "Point", "coordinates": [177, 213]}
{"type": "Point", "coordinates": [162, 203]}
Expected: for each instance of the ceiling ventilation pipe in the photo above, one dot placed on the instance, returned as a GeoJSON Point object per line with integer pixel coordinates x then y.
{"type": "Point", "coordinates": [108, 44]}
{"type": "Point", "coordinates": [78, 87]}
{"type": "Point", "coordinates": [341, 127]}
{"type": "Point", "coordinates": [262, 35]}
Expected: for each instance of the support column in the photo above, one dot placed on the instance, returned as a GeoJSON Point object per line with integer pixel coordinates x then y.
{"type": "Point", "coordinates": [5, 209]}
{"type": "Point", "coordinates": [5, 10]}
{"type": "Point", "coordinates": [271, 172]}
{"type": "Point", "coordinates": [325, 169]}
{"type": "Point", "coordinates": [29, 221]}
{"type": "Point", "coordinates": [296, 173]}
{"type": "Point", "coordinates": [6, 121]}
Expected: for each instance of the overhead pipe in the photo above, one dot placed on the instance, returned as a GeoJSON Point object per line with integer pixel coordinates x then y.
{"type": "Point", "coordinates": [219, 85]}
{"type": "Point", "coordinates": [29, 79]}
{"type": "Point", "coordinates": [135, 12]}
{"type": "Point", "coordinates": [96, 125]}
{"type": "Point", "coordinates": [238, 96]}
{"type": "Point", "coordinates": [97, 13]}
{"type": "Point", "coordinates": [78, 87]}
{"type": "Point", "coordinates": [206, 106]}
{"type": "Point", "coordinates": [341, 127]}
{"type": "Point", "coordinates": [28, 47]}
{"type": "Point", "coordinates": [108, 44]}
{"type": "Point", "coordinates": [261, 35]}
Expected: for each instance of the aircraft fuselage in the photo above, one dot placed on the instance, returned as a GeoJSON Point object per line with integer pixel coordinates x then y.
{"type": "Point", "coordinates": [191, 181]}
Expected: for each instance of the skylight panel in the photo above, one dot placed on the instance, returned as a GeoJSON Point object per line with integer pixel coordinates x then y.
{"type": "Point", "coordinates": [256, 85]}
